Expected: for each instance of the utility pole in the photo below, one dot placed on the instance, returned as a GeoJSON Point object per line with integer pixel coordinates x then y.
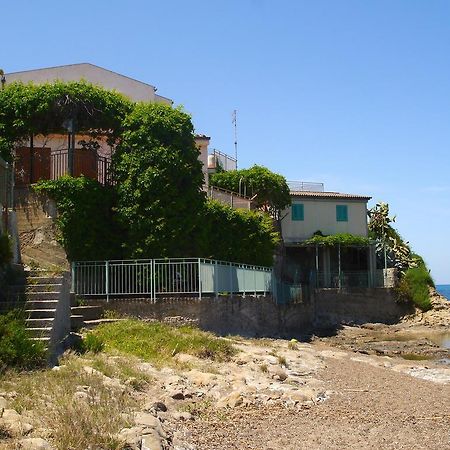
{"type": "Point", "coordinates": [235, 136]}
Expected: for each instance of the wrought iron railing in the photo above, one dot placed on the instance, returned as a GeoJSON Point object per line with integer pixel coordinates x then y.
{"type": "Point", "coordinates": [152, 278]}
{"type": "Point", "coordinates": [86, 163]}
{"type": "Point", "coordinates": [226, 162]}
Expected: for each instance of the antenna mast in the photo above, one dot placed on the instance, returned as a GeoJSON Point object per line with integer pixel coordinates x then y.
{"type": "Point", "coordinates": [235, 134]}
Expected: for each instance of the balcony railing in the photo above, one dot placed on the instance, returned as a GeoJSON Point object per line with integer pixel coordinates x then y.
{"type": "Point", "coordinates": [305, 186]}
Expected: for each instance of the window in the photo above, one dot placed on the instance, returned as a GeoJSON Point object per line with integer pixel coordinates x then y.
{"type": "Point", "coordinates": [341, 213]}
{"type": "Point", "coordinates": [298, 212]}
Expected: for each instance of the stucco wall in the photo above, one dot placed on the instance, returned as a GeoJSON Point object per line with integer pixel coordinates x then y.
{"type": "Point", "coordinates": [202, 144]}
{"type": "Point", "coordinates": [320, 214]}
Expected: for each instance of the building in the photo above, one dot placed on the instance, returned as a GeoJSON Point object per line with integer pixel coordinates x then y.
{"type": "Point", "coordinates": [316, 212]}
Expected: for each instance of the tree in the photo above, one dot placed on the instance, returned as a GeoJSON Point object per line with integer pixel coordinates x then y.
{"type": "Point", "coordinates": [389, 242]}
{"type": "Point", "coordinates": [158, 180]}
{"type": "Point", "coordinates": [269, 190]}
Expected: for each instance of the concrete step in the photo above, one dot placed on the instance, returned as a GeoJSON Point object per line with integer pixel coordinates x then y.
{"type": "Point", "coordinates": [40, 313]}
{"type": "Point", "coordinates": [45, 340]}
{"type": "Point", "coordinates": [93, 323]}
{"type": "Point", "coordinates": [40, 331]}
{"type": "Point", "coordinates": [88, 312]}
{"type": "Point", "coordinates": [40, 323]}
{"type": "Point", "coordinates": [76, 322]}
{"type": "Point", "coordinates": [44, 279]}
{"type": "Point", "coordinates": [35, 287]}
{"type": "Point", "coordinates": [41, 304]}
{"type": "Point", "coordinates": [32, 296]}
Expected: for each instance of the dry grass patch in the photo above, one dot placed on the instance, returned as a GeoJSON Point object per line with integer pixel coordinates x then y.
{"type": "Point", "coordinates": [76, 407]}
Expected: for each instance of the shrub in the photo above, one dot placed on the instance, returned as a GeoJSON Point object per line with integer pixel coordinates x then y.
{"type": "Point", "coordinates": [5, 250]}
{"type": "Point", "coordinates": [16, 347]}
{"type": "Point", "coordinates": [414, 286]}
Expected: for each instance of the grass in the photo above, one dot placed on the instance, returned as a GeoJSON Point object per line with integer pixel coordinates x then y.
{"type": "Point", "coordinates": [415, 357]}
{"type": "Point", "coordinates": [158, 343]}
{"type": "Point", "coordinates": [73, 424]}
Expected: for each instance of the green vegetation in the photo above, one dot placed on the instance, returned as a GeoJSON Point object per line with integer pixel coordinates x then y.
{"type": "Point", "coordinates": [158, 343]}
{"type": "Point", "coordinates": [414, 286]}
{"type": "Point", "coordinates": [86, 220]}
{"type": "Point", "coordinates": [414, 277]}
{"type": "Point", "coordinates": [269, 189]}
{"type": "Point", "coordinates": [16, 348]}
{"type": "Point", "coordinates": [92, 343]}
{"type": "Point", "coordinates": [158, 181]}
{"type": "Point", "coordinates": [343, 239]}
{"type": "Point", "coordinates": [28, 109]}
{"type": "Point", "coordinates": [237, 235]}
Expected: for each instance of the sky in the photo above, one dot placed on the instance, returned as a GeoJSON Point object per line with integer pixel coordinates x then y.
{"type": "Point", "coordinates": [351, 93]}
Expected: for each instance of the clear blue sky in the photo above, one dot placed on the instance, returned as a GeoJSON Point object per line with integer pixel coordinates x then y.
{"type": "Point", "coordinates": [354, 93]}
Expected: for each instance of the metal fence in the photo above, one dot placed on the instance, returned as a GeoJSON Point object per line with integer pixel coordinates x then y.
{"type": "Point", "coordinates": [226, 162]}
{"type": "Point", "coordinates": [302, 186]}
{"type": "Point", "coordinates": [229, 198]}
{"type": "Point", "coordinates": [154, 278]}
{"type": "Point", "coordinates": [344, 279]}
{"type": "Point", "coordinates": [91, 165]}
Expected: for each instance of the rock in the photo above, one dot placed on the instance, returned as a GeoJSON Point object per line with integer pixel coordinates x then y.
{"type": "Point", "coordinates": [151, 442]}
{"type": "Point", "coordinates": [230, 401]}
{"type": "Point", "coordinates": [3, 404]}
{"type": "Point", "coordinates": [80, 395]}
{"type": "Point", "coordinates": [301, 396]}
{"type": "Point", "coordinates": [147, 420]}
{"type": "Point", "coordinates": [157, 406]}
{"type": "Point", "coordinates": [182, 415]}
{"type": "Point", "coordinates": [15, 425]}
{"type": "Point", "coordinates": [177, 395]}
{"type": "Point", "coordinates": [34, 444]}
{"type": "Point", "coordinates": [278, 373]}
{"type": "Point", "coordinates": [131, 436]}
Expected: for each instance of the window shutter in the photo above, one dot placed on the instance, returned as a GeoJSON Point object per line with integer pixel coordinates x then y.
{"type": "Point", "coordinates": [341, 213]}
{"type": "Point", "coordinates": [298, 212]}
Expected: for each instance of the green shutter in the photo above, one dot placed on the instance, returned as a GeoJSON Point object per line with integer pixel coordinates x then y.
{"type": "Point", "coordinates": [341, 213]}
{"type": "Point", "coordinates": [298, 212]}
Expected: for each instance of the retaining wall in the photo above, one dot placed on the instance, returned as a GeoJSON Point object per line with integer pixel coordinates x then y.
{"type": "Point", "coordinates": [261, 316]}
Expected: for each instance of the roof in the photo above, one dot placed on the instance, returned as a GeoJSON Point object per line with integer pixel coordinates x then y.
{"type": "Point", "coordinates": [334, 195]}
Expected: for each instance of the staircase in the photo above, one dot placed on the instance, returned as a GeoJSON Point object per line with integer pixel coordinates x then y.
{"type": "Point", "coordinates": [44, 298]}
{"type": "Point", "coordinates": [37, 232]}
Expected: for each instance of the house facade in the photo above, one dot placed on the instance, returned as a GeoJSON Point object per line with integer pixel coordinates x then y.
{"type": "Point", "coordinates": [327, 212]}
{"type": "Point", "coordinates": [50, 154]}
{"type": "Point", "coordinates": [318, 212]}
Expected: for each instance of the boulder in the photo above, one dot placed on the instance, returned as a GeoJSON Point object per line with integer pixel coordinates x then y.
{"type": "Point", "coordinates": [151, 442]}
{"type": "Point", "coordinates": [34, 444]}
{"type": "Point", "coordinates": [231, 401]}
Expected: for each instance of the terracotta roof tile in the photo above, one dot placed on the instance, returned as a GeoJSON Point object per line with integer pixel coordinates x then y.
{"type": "Point", "coordinates": [336, 195]}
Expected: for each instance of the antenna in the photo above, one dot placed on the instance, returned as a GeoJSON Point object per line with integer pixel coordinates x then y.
{"type": "Point", "coordinates": [235, 134]}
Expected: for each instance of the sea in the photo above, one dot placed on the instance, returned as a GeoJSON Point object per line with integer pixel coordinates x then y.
{"type": "Point", "coordinates": [444, 289]}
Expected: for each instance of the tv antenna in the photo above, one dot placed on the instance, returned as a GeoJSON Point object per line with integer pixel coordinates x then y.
{"type": "Point", "coordinates": [235, 134]}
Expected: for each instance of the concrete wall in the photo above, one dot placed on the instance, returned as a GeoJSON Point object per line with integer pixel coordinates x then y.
{"type": "Point", "coordinates": [249, 316]}
{"type": "Point", "coordinates": [320, 214]}
{"type": "Point", "coordinates": [133, 89]}
{"type": "Point", "coordinates": [358, 306]}
{"type": "Point", "coordinates": [202, 145]}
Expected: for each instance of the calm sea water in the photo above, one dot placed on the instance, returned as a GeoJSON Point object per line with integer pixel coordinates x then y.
{"type": "Point", "coordinates": [444, 289]}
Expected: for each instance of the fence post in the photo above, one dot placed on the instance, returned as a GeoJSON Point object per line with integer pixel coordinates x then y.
{"type": "Point", "coordinates": [199, 279]}
{"type": "Point", "coordinates": [153, 281]}
{"type": "Point", "coordinates": [107, 281]}
{"type": "Point", "coordinates": [254, 279]}
{"type": "Point", "coordinates": [72, 269]}
{"type": "Point", "coordinates": [231, 280]}
{"type": "Point", "coordinates": [216, 289]}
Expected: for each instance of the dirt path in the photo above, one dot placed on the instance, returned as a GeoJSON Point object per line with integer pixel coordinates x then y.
{"type": "Point", "coordinates": [371, 408]}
